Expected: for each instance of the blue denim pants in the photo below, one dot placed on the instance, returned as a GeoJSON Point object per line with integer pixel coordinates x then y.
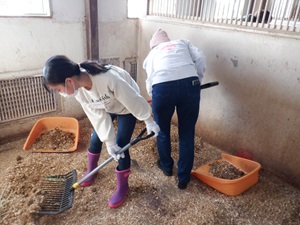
{"type": "Point", "coordinates": [184, 97]}
{"type": "Point", "coordinates": [126, 124]}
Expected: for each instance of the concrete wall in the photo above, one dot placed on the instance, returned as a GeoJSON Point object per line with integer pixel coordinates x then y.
{"type": "Point", "coordinates": [28, 42]}
{"type": "Point", "coordinates": [256, 106]}
{"type": "Point", "coordinates": [117, 33]}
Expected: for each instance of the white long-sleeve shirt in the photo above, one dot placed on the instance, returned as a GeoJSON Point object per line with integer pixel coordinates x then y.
{"type": "Point", "coordinates": [112, 92]}
{"type": "Point", "coordinates": [173, 60]}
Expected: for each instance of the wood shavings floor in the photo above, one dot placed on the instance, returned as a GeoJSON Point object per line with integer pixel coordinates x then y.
{"type": "Point", "coordinates": [153, 197]}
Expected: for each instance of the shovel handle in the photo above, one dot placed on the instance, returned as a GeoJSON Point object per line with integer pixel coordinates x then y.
{"type": "Point", "coordinates": [140, 136]}
{"type": "Point", "coordinates": [134, 141]}
{"type": "Point", "coordinates": [203, 86]}
{"type": "Point", "coordinates": [208, 85]}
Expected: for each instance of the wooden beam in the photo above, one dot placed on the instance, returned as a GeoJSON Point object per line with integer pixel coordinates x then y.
{"type": "Point", "coordinates": [91, 21]}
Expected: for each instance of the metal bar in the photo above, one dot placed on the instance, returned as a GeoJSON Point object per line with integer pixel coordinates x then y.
{"type": "Point", "coordinates": [283, 15]}
{"type": "Point", "coordinates": [242, 12]}
{"type": "Point", "coordinates": [218, 10]}
{"type": "Point", "coordinates": [181, 9]}
{"type": "Point", "coordinates": [189, 10]}
{"type": "Point", "coordinates": [227, 13]}
{"type": "Point", "coordinates": [173, 9]}
{"type": "Point", "coordinates": [159, 9]}
{"type": "Point", "coordinates": [25, 100]}
{"type": "Point", "coordinates": [252, 13]}
{"type": "Point", "coordinates": [247, 13]}
{"type": "Point", "coordinates": [210, 16]}
{"type": "Point", "coordinates": [271, 13]}
{"type": "Point", "coordinates": [201, 10]}
{"type": "Point", "coordinates": [20, 98]}
{"type": "Point", "coordinates": [232, 13]}
{"type": "Point", "coordinates": [164, 8]}
{"type": "Point", "coordinates": [197, 15]}
{"type": "Point", "coordinates": [277, 13]}
{"type": "Point", "coordinates": [258, 14]}
{"type": "Point", "coordinates": [296, 16]}
{"type": "Point", "coordinates": [265, 12]}
{"type": "Point", "coordinates": [193, 9]}
{"type": "Point", "coordinates": [10, 108]}
{"type": "Point", "coordinates": [289, 16]}
{"type": "Point", "coordinates": [185, 10]}
{"type": "Point", "coordinates": [237, 13]}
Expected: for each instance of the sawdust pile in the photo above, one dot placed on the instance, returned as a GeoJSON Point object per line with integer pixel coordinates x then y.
{"type": "Point", "coordinates": [153, 197]}
{"type": "Point", "coordinates": [55, 139]}
{"type": "Point", "coordinates": [225, 170]}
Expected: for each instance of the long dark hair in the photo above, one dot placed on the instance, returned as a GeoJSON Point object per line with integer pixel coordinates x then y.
{"type": "Point", "coordinates": [59, 67]}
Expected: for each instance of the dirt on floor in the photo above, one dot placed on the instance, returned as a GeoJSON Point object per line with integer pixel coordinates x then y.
{"type": "Point", "coordinates": [153, 198]}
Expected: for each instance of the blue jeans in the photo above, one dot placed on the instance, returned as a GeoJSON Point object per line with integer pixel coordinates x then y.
{"type": "Point", "coordinates": [185, 98]}
{"type": "Point", "coordinates": [126, 124]}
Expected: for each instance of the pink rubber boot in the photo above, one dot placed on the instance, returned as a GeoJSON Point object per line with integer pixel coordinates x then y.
{"type": "Point", "coordinates": [92, 164]}
{"type": "Point", "coordinates": [122, 188]}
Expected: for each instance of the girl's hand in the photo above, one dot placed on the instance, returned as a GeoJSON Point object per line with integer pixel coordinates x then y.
{"type": "Point", "coordinates": [113, 151]}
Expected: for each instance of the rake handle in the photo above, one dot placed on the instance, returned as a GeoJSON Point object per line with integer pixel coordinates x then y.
{"type": "Point", "coordinates": [208, 85]}
{"type": "Point", "coordinates": [134, 141]}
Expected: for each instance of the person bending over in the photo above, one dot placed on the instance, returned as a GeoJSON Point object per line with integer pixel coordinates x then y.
{"type": "Point", "coordinates": [105, 93]}
{"type": "Point", "coordinates": [174, 74]}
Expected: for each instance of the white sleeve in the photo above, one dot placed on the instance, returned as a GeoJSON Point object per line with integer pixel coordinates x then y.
{"type": "Point", "coordinates": [130, 98]}
{"type": "Point", "coordinates": [198, 58]}
{"type": "Point", "coordinates": [147, 65]}
{"type": "Point", "coordinates": [102, 123]}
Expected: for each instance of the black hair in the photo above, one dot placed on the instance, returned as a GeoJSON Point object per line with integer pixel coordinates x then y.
{"type": "Point", "coordinates": [58, 68]}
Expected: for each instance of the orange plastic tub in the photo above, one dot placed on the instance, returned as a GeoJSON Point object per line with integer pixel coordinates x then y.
{"type": "Point", "coordinates": [44, 125]}
{"type": "Point", "coordinates": [230, 187]}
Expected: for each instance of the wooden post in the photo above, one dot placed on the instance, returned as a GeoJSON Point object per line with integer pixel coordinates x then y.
{"type": "Point", "coordinates": [92, 38]}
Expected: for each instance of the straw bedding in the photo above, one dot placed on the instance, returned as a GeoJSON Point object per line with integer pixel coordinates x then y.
{"type": "Point", "coordinates": [153, 198]}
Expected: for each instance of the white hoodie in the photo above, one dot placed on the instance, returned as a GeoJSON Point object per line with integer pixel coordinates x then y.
{"type": "Point", "coordinates": [173, 60]}
{"type": "Point", "coordinates": [112, 92]}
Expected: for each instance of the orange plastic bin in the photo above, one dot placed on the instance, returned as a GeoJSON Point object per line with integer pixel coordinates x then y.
{"type": "Point", "coordinates": [44, 125]}
{"type": "Point", "coordinates": [230, 187]}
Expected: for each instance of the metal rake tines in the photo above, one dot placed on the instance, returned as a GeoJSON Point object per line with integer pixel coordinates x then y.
{"type": "Point", "coordinates": [58, 193]}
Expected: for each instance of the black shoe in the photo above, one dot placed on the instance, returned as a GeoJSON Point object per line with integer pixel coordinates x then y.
{"type": "Point", "coordinates": [167, 173]}
{"type": "Point", "coordinates": [182, 185]}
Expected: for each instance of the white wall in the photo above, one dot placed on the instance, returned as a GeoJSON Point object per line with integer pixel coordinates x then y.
{"type": "Point", "coordinates": [28, 42]}
{"type": "Point", "coordinates": [117, 33]}
{"type": "Point", "coordinates": [256, 106]}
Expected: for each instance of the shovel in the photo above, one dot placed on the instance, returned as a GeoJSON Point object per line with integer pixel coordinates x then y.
{"type": "Point", "coordinates": [59, 189]}
{"type": "Point", "coordinates": [208, 85]}
{"type": "Point", "coordinates": [203, 86]}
